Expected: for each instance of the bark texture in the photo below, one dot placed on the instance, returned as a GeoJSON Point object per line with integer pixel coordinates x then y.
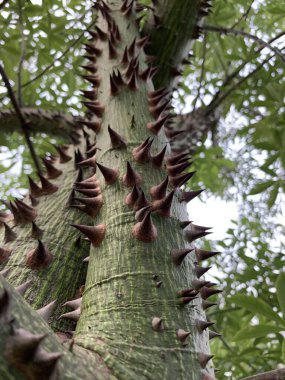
{"type": "Point", "coordinates": [131, 314]}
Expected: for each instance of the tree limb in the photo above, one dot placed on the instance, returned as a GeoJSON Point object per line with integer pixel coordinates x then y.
{"type": "Point", "coordinates": [244, 15]}
{"type": "Point", "coordinates": [77, 364]}
{"type": "Point", "coordinates": [23, 122]}
{"type": "Point", "coordinates": [171, 38]}
{"type": "Point", "coordinates": [22, 56]}
{"type": "Point", "coordinates": [202, 73]}
{"type": "Point", "coordinates": [219, 29]}
{"type": "Point", "coordinates": [278, 374]}
{"type": "Point", "coordinates": [51, 122]}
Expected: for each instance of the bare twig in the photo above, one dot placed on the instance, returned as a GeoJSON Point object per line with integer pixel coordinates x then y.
{"type": "Point", "coordinates": [236, 72]}
{"type": "Point", "coordinates": [221, 98]}
{"type": "Point", "coordinates": [23, 122]}
{"type": "Point", "coordinates": [278, 374]}
{"type": "Point", "coordinates": [202, 73]}
{"type": "Point", "coordinates": [244, 16]}
{"type": "Point", "coordinates": [219, 29]}
{"type": "Point", "coordinates": [22, 56]}
{"type": "Point", "coordinates": [4, 2]}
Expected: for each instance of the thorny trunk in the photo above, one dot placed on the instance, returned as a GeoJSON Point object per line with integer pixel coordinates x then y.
{"type": "Point", "coordinates": [138, 310]}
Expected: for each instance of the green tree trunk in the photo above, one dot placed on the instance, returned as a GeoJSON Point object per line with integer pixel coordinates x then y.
{"type": "Point", "coordinates": [132, 314]}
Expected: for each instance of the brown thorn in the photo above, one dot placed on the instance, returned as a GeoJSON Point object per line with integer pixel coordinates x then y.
{"type": "Point", "coordinates": [131, 177]}
{"type": "Point", "coordinates": [117, 141]}
{"type": "Point", "coordinates": [163, 206]}
{"type": "Point", "coordinates": [145, 230]}
{"type": "Point", "coordinates": [178, 255]}
{"type": "Point", "coordinates": [95, 234]}
{"type": "Point", "coordinates": [39, 257]}
{"type": "Point", "coordinates": [132, 197]}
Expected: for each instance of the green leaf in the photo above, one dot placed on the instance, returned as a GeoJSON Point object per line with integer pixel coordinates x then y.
{"type": "Point", "coordinates": [258, 331]}
{"type": "Point", "coordinates": [273, 195]}
{"type": "Point", "coordinates": [257, 307]}
{"type": "Point", "coordinates": [280, 288]}
{"type": "Point", "coordinates": [260, 187]}
{"type": "Point", "coordinates": [283, 351]}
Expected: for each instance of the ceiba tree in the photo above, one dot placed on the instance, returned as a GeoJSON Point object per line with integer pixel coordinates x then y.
{"type": "Point", "coordinates": [111, 204]}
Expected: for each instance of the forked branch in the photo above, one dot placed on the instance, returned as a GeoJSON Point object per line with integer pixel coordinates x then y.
{"type": "Point", "coordinates": [222, 30]}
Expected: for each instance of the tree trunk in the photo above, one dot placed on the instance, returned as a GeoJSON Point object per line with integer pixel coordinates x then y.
{"type": "Point", "coordinates": [133, 313]}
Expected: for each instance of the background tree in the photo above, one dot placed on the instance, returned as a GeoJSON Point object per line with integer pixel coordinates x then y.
{"type": "Point", "coordinates": [224, 84]}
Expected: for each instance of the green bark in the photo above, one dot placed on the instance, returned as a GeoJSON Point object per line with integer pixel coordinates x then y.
{"type": "Point", "coordinates": [120, 297]}
{"type": "Point", "coordinates": [66, 273]}
{"type": "Point", "coordinates": [53, 123]}
{"type": "Point", "coordinates": [171, 39]}
{"type": "Point", "coordinates": [73, 364]}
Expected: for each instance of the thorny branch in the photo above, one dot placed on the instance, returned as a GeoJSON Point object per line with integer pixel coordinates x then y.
{"type": "Point", "coordinates": [23, 122]}
{"type": "Point", "coordinates": [219, 29]}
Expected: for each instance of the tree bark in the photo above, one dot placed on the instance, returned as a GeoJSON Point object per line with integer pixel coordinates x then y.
{"type": "Point", "coordinates": [122, 300]}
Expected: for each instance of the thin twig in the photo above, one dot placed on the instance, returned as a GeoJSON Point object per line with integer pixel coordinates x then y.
{"type": "Point", "coordinates": [4, 2]}
{"type": "Point", "coordinates": [202, 72]}
{"type": "Point", "coordinates": [236, 72]}
{"type": "Point", "coordinates": [215, 104]}
{"type": "Point", "coordinates": [244, 16]}
{"type": "Point", "coordinates": [23, 123]}
{"type": "Point", "coordinates": [51, 65]}
{"type": "Point", "coordinates": [22, 56]}
{"type": "Point", "coordinates": [219, 29]}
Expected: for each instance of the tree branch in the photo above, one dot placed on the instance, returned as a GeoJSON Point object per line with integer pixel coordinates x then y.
{"type": "Point", "coordinates": [278, 374]}
{"type": "Point", "coordinates": [244, 15]}
{"type": "Point", "coordinates": [22, 57]}
{"type": "Point", "coordinates": [23, 123]}
{"type": "Point", "coordinates": [202, 73]}
{"type": "Point", "coordinates": [219, 29]}
{"type": "Point", "coordinates": [51, 122]}
{"type": "Point", "coordinates": [236, 72]}
{"type": "Point", "coordinates": [171, 38]}
{"type": "Point", "coordinates": [19, 314]}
